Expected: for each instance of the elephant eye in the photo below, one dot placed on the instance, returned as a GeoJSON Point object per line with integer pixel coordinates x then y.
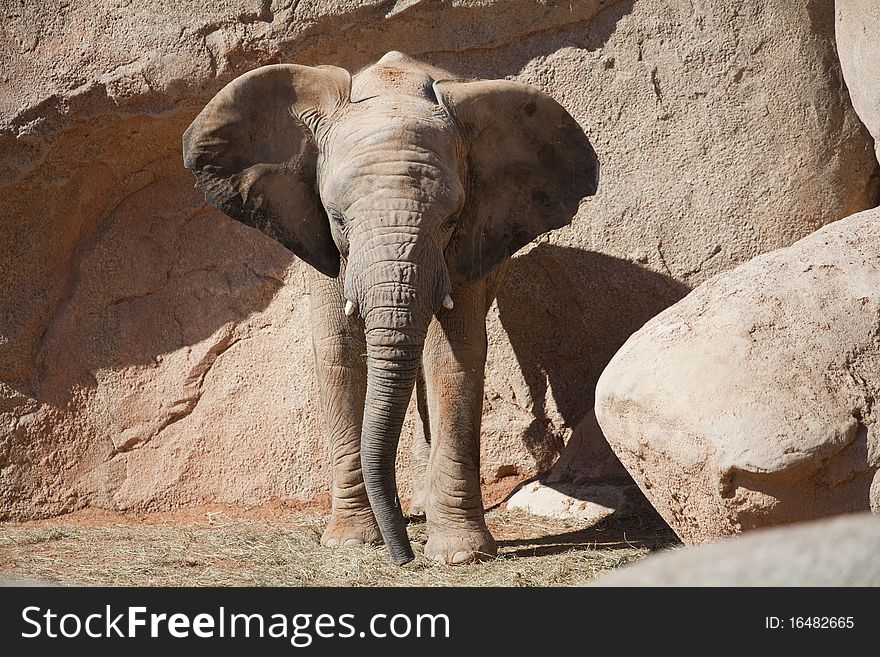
{"type": "Point", "coordinates": [337, 219]}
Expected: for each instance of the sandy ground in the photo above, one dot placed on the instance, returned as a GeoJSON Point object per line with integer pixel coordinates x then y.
{"type": "Point", "coordinates": [277, 545]}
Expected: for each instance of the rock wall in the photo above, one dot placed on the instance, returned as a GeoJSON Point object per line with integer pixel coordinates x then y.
{"type": "Point", "coordinates": [154, 353]}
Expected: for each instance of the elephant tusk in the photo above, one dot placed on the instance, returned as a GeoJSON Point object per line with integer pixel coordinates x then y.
{"type": "Point", "coordinates": [447, 302]}
{"type": "Point", "coordinates": [350, 308]}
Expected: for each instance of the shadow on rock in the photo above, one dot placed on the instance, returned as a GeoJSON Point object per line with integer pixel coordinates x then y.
{"type": "Point", "coordinates": [509, 35]}
{"type": "Point", "coordinates": [612, 533]}
{"type": "Point", "coordinates": [566, 312]}
{"type": "Point", "coordinates": [124, 265]}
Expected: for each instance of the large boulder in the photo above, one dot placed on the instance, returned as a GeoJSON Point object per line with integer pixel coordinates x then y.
{"type": "Point", "coordinates": [858, 46]}
{"type": "Point", "coordinates": [154, 353]}
{"type": "Point", "coordinates": [751, 402]}
{"type": "Point", "coordinates": [834, 552]}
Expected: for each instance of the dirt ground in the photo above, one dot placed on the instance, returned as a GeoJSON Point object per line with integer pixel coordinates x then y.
{"type": "Point", "coordinates": [277, 545]}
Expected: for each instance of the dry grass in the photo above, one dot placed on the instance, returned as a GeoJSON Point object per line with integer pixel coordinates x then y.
{"type": "Point", "coordinates": [223, 549]}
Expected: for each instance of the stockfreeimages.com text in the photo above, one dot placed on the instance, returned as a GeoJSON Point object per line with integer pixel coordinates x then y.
{"type": "Point", "coordinates": [300, 629]}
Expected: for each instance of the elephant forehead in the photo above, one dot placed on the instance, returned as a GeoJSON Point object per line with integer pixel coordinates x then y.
{"type": "Point", "coordinates": [392, 188]}
{"type": "Point", "coordinates": [395, 145]}
{"type": "Point", "coordinates": [384, 134]}
{"type": "Point", "coordinates": [395, 136]}
{"type": "Point", "coordinates": [398, 78]}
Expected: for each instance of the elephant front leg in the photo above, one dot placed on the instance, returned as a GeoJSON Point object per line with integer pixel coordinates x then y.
{"type": "Point", "coordinates": [338, 343]}
{"type": "Point", "coordinates": [454, 365]}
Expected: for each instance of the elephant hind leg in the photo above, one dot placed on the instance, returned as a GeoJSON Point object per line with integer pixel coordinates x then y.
{"type": "Point", "coordinates": [421, 450]}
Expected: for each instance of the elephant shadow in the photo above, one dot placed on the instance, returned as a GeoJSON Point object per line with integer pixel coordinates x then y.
{"type": "Point", "coordinates": [611, 534]}
{"type": "Point", "coordinates": [566, 312]}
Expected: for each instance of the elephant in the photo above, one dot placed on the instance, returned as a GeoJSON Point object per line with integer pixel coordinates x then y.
{"type": "Point", "coordinates": [407, 191]}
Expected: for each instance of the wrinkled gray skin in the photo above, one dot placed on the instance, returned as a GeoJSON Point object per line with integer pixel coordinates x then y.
{"type": "Point", "coordinates": [399, 188]}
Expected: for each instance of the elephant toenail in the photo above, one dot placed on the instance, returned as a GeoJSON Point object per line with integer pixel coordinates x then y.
{"type": "Point", "coordinates": [331, 542]}
{"type": "Point", "coordinates": [462, 557]}
{"type": "Point", "coordinates": [351, 541]}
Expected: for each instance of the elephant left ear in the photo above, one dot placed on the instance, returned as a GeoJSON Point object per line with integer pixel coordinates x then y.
{"type": "Point", "coordinates": [530, 164]}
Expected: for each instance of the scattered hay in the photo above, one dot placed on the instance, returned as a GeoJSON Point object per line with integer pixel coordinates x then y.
{"type": "Point", "coordinates": [229, 550]}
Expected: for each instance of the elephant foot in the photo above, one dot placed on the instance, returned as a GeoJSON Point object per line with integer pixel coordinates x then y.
{"type": "Point", "coordinates": [459, 546]}
{"type": "Point", "coordinates": [347, 530]}
{"type": "Point", "coordinates": [417, 504]}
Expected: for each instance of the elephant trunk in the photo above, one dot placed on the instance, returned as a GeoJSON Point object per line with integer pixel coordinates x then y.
{"type": "Point", "coordinates": [397, 298]}
{"type": "Point", "coordinates": [389, 388]}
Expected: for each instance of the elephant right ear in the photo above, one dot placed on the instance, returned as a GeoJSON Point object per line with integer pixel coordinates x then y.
{"type": "Point", "coordinates": [253, 151]}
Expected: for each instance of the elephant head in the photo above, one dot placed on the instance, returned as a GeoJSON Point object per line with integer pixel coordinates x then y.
{"type": "Point", "coordinates": [420, 184]}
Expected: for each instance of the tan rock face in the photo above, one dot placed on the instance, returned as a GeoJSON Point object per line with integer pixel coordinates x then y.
{"type": "Point", "coordinates": [858, 44]}
{"type": "Point", "coordinates": [751, 401]}
{"type": "Point", "coordinates": [154, 353]}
